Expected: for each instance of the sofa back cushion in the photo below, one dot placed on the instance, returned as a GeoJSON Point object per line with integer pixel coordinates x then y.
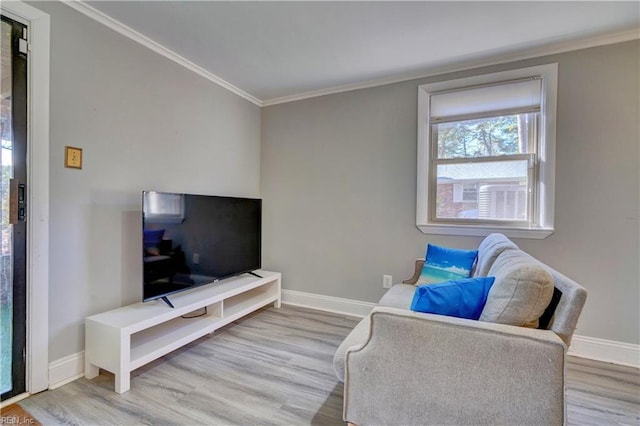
{"type": "Point", "coordinates": [521, 292]}
{"type": "Point", "coordinates": [488, 250]}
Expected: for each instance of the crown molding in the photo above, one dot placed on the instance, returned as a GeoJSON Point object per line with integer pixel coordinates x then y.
{"type": "Point", "coordinates": [549, 49]}
{"type": "Point", "coordinates": [130, 33]}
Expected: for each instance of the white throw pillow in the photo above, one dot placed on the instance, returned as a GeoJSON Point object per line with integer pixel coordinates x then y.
{"type": "Point", "coordinates": [521, 292]}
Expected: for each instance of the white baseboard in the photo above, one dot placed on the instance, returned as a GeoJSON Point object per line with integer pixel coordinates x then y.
{"type": "Point", "coordinates": [66, 370]}
{"type": "Point", "coordinates": [70, 368]}
{"type": "Point", "coordinates": [337, 305]}
{"type": "Point", "coordinates": [605, 350]}
{"type": "Point", "coordinates": [581, 346]}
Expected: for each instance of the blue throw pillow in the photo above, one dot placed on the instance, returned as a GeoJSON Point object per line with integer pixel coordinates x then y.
{"type": "Point", "coordinates": [462, 298]}
{"type": "Point", "coordinates": [445, 264]}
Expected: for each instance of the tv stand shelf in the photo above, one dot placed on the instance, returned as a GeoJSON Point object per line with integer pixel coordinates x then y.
{"type": "Point", "coordinates": [127, 338]}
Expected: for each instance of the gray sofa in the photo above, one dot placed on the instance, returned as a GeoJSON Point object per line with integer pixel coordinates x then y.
{"type": "Point", "coordinates": [409, 368]}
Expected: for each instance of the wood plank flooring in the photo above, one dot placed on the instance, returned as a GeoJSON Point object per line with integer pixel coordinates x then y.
{"type": "Point", "coordinates": [602, 394]}
{"type": "Point", "coordinates": [274, 367]}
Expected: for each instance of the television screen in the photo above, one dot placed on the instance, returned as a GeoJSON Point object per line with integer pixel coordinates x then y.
{"type": "Point", "coordinates": [191, 240]}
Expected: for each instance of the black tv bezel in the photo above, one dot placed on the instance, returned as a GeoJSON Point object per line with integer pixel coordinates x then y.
{"type": "Point", "coordinates": [163, 296]}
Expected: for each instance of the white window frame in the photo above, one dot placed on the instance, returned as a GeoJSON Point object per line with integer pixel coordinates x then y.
{"type": "Point", "coordinates": [544, 197]}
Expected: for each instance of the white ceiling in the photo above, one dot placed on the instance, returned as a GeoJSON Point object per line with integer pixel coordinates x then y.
{"type": "Point", "coordinates": [279, 50]}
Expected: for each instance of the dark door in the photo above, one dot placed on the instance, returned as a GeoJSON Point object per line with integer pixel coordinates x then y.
{"type": "Point", "coordinates": [13, 300]}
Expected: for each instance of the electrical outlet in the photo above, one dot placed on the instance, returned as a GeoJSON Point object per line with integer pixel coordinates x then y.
{"type": "Point", "coordinates": [387, 281]}
{"type": "Point", "coordinates": [196, 258]}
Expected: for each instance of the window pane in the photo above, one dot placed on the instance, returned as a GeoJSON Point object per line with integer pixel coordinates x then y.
{"type": "Point", "coordinates": [485, 137]}
{"type": "Point", "coordinates": [495, 190]}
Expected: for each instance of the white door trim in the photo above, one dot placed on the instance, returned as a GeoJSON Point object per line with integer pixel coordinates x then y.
{"type": "Point", "coordinates": [39, 25]}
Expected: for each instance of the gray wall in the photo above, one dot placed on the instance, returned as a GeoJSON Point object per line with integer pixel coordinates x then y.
{"type": "Point", "coordinates": [143, 122]}
{"type": "Point", "coordinates": [339, 184]}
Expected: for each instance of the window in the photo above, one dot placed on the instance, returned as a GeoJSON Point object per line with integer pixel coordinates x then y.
{"type": "Point", "coordinates": [486, 153]}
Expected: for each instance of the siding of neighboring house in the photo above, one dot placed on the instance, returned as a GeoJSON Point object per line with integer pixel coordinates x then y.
{"type": "Point", "coordinates": [450, 206]}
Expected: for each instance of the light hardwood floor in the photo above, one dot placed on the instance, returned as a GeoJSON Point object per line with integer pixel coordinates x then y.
{"type": "Point", "coordinates": [275, 367]}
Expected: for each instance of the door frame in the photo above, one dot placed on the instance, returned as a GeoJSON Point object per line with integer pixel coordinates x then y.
{"type": "Point", "coordinates": [37, 359]}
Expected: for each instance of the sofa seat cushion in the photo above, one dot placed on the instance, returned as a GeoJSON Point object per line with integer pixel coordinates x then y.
{"type": "Point", "coordinates": [521, 292]}
{"type": "Point", "coordinates": [357, 337]}
{"type": "Point", "coordinates": [398, 296]}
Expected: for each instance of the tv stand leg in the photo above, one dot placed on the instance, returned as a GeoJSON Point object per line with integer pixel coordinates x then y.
{"type": "Point", "coordinates": [91, 371]}
{"type": "Point", "coordinates": [122, 382]}
{"type": "Point", "coordinates": [255, 275]}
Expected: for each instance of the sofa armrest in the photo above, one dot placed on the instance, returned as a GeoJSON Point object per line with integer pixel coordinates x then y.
{"type": "Point", "coordinates": [430, 369]}
{"type": "Point", "coordinates": [416, 272]}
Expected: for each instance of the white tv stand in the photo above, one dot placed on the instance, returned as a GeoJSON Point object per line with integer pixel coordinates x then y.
{"type": "Point", "coordinates": [127, 338]}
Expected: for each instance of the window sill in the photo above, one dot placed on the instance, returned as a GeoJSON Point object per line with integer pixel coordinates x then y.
{"type": "Point", "coordinates": [484, 230]}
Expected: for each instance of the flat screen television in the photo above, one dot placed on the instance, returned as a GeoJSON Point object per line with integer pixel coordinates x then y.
{"type": "Point", "coordinates": [191, 240]}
